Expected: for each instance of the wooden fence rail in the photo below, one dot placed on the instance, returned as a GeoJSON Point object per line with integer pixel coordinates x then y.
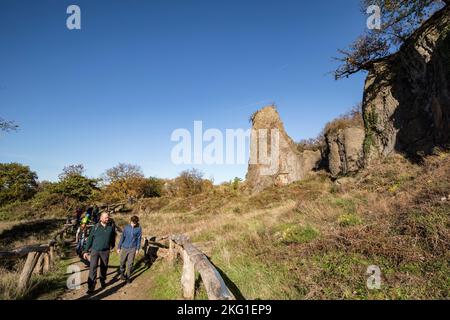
{"type": "Point", "coordinates": [195, 260]}
{"type": "Point", "coordinates": [39, 258]}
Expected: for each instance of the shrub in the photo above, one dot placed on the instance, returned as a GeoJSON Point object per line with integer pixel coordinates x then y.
{"type": "Point", "coordinates": [349, 219]}
{"type": "Point", "coordinates": [76, 187]}
{"type": "Point", "coordinates": [293, 233]}
{"type": "Point", "coordinates": [189, 183]}
{"type": "Point", "coordinates": [352, 118]}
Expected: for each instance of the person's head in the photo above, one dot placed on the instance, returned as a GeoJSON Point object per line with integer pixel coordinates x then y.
{"type": "Point", "coordinates": [134, 221]}
{"type": "Point", "coordinates": [104, 218]}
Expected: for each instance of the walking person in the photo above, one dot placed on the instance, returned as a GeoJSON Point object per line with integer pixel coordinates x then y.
{"type": "Point", "coordinates": [95, 213]}
{"type": "Point", "coordinates": [128, 248]}
{"type": "Point", "coordinates": [101, 241]}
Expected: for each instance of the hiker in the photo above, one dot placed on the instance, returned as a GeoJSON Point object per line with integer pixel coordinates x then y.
{"type": "Point", "coordinates": [89, 212]}
{"type": "Point", "coordinates": [78, 214]}
{"type": "Point", "coordinates": [129, 246]}
{"type": "Point", "coordinates": [101, 241]}
{"type": "Point", "coordinates": [86, 219]}
{"type": "Point", "coordinates": [95, 214]}
{"type": "Point", "coordinates": [80, 238]}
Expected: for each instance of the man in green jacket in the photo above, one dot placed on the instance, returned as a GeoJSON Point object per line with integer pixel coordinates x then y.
{"type": "Point", "coordinates": [101, 241]}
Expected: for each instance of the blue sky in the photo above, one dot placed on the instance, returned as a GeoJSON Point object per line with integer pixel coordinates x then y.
{"type": "Point", "coordinates": [115, 90]}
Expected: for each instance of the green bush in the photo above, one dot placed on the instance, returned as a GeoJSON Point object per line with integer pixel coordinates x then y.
{"type": "Point", "coordinates": [76, 187]}
{"type": "Point", "coordinates": [293, 233]}
{"type": "Point", "coordinates": [349, 219]}
{"type": "Point", "coordinates": [17, 183]}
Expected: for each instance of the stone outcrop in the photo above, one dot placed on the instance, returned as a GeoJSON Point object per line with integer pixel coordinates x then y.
{"type": "Point", "coordinates": [288, 165]}
{"type": "Point", "coordinates": [345, 150]}
{"type": "Point", "coordinates": [406, 102]}
{"type": "Point", "coordinates": [406, 109]}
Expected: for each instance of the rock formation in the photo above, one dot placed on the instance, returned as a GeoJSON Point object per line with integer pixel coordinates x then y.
{"type": "Point", "coordinates": [406, 109]}
{"type": "Point", "coordinates": [289, 165]}
{"type": "Point", "coordinates": [406, 101]}
{"type": "Point", "coordinates": [345, 150]}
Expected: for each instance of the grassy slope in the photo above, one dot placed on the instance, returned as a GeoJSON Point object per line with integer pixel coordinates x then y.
{"type": "Point", "coordinates": [311, 240]}
{"type": "Point", "coordinates": [315, 239]}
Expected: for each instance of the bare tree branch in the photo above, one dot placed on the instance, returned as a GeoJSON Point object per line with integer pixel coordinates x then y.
{"type": "Point", "coordinates": [7, 126]}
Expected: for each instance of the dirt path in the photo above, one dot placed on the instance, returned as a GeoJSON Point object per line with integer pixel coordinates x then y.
{"type": "Point", "coordinates": [116, 289]}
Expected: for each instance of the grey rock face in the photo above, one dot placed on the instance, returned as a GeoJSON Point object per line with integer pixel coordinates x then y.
{"type": "Point", "coordinates": [407, 96]}
{"type": "Point", "coordinates": [345, 151]}
{"type": "Point", "coordinates": [289, 165]}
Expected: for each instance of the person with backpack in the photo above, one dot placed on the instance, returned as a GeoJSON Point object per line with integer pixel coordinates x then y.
{"type": "Point", "coordinates": [101, 240]}
{"type": "Point", "coordinates": [129, 246]}
{"type": "Point", "coordinates": [95, 214]}
{"type": "Point", "coordinates": [80, 238]}
{"type": "Point", "coordinates": [78, 214]}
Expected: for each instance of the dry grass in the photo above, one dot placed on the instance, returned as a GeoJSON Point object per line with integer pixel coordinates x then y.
{"type": "Point", "coordinates": [314, 239]}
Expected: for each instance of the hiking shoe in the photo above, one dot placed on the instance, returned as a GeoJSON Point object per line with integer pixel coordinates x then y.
{"type": "Point", "coordinates": [122, 277]}
{"type": "Point", "coordinates": [90, 291]}
{"type": "Point", "coordinates": [128, 280]}
{"type": "Point", "coordinates": [103, 284]}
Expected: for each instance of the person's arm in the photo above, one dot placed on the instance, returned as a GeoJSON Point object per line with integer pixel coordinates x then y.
{"type": "Point", "coordinates": [77, 235]}
{"type": "Point", "coordinates": [89, 241]}
{"type": "Point", "coordinates": [139, 239]}
{"type": "Point", "coordinates": [112, 243]}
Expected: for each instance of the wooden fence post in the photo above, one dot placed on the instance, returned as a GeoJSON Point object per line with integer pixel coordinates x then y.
{"type": "Point", "coordinates": [188, 277]}
{"type": "Point", "coordinates": [25, 276]}
{"type": "Point", "coordinates": [171, 251]}
{"type": "Point", "coordinates": [46, 262]}
{"type": "Point", "coordinates": [51, 253]}
{"type": "Point", "coordinates": [39, 269]}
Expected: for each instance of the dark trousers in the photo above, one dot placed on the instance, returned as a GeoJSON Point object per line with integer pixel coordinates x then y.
{"type": "Point", "coordinates": [103, 256]}
{"type": "Point", "coordinates": [127, 257]}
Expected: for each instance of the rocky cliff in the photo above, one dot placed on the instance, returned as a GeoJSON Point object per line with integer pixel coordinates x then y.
{"type": "Point", "coordinates": [406, 109]}
{"type": "Point", "coordinates": [406, 102]}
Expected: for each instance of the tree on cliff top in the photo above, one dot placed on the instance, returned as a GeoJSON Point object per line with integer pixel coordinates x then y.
{"type": "Point", "coordinates": [399, 19]}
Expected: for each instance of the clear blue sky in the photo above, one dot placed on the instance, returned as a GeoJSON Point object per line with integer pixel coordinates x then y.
{"type": "Point", "coordinates": [115, 90]}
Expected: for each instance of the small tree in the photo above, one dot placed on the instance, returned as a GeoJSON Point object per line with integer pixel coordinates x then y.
{"type": "Point", "coordinates": [72, 170]}
{"type": "Point", "coordinates": [189, 182]}
{"type": "Point", "coordinates": [123, 182]}
{"type": "Point", "coordinates": [74, 185]}
{"type": "Point", "coordinates": [400, 18]}
{"type": "Point", "coordinates": [123, 171]}
{"type": "Point", "coordinates": [17, 183]}
{"type": "Point", "coordinates": [152, 187]}
{"type": "Point", "coordinates": [235, 184]}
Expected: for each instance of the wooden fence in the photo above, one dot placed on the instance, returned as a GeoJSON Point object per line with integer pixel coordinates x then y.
{"type": "Point", "coordinates": [39, 259]}
{"type": "Point", "coordinates": [194, 260]}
